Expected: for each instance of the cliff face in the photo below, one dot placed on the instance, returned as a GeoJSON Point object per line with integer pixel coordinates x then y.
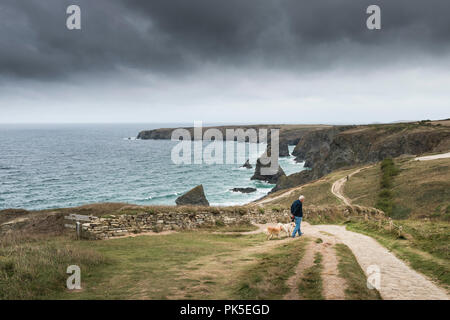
{"type": "Point", "coordinates": [293, 180]}
{"type": "Point", "coordinates": [315, 145]}
{"type": "Point", "coordinates": [288, 134]}
{"type": "Point", "coordinates": [329, 149]}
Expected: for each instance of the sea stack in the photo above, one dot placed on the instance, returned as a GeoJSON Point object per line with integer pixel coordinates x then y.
{"type": "Point", "coordinates": [247, 164]}
{"type": "Point", "coordinates": [194, 197]}
{"type": "Point", "coordinates": [283, 148]}
{"type": "Point", "coordinates": [271, 178]}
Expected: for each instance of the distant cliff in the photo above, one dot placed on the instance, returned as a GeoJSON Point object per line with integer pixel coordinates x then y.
{"type": "Point", "coordinates": [289, 133]}
{"type": "Point", "coordinates": [332, 148]}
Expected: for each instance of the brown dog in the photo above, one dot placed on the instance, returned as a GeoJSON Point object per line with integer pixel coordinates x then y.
{"type": "Point", "coordinates": [271, 231]}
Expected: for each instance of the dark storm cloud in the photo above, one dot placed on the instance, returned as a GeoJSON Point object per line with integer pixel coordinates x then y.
{"type": "Point", "coordinates": [167, 36]}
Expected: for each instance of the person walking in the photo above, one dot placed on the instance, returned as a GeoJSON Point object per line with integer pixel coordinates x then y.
{"type": "Point", "coordinates": [297, 214]}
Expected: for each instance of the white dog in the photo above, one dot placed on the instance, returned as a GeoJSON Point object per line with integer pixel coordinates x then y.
{"type": "Point", "coordinates": [287, 227]}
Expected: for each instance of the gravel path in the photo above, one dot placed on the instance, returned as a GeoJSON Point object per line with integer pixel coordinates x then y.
{"type": "Point", "coordinates": [398, 281]}
{"type": "Point", "coordinates": [434, 157]}
{"type": "Point", "coordinates": [338, 187]}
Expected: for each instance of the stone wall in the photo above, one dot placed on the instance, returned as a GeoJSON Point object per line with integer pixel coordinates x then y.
{"type": "Point", "coordinates": [122, 225]}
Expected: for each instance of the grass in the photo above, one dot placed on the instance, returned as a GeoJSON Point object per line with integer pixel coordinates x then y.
{"type": "Point", "coordinates": [316, 193]}
{"type": "Point", "coordinates": [221, 227]}
{"type": "Point", "coordinates": [267, 278]}
{"type": "Point", "coordinates": [350, 270]}
{"type": "Point", "coordinates": [420, 190]}
{"type": "Point", "coordinates": [36, 268]}
{"type": "Point", "coordinates": [310, 287]}
{"type": "Point", "coordinates": [108, 209]}
{"type": "Point", "coordinates": [128, 268]}
{"type": "Point", "coordinates": [386, 197]}
{"type": "Point", "coordinates": [148, 267]}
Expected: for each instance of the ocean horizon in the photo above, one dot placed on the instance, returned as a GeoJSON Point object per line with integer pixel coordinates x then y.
{"type": "Point", "coordinates": [47, 166]}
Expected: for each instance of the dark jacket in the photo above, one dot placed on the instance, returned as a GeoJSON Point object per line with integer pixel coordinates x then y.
{"type": "Point", "coordinates": [297, 208]}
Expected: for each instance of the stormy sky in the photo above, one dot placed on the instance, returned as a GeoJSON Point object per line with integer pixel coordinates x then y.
{"type": "Point", "coordinates": [291, 61]}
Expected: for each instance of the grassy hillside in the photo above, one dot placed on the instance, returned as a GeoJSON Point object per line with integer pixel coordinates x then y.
{"type": "Point", "coordinates": [316, 192]}
{"type": "Point", "coordinates": [422, 187]}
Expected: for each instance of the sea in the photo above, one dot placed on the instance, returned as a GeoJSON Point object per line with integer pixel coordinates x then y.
{"type": "Point", "coordinates": [66, 165]}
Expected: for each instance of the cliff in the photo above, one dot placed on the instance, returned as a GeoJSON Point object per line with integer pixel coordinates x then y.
{"type": "Point", "coordinates": [329, 149]}
{"type": "Point", "coordinates": [290, 134]}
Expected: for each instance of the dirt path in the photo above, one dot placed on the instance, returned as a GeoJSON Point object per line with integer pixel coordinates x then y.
{"type": "Point", "coordinates": [306, 262]}
{"type": "Point", "coordinates": [434, 157]}
{"type": "Point", "coordinates": [333, 285]}
{"type": "Point", "coordinates": [219, 270]}
{"type": "Point", "coordinates": [398, 281]}
{"type": "Point", "coordinates": [285, 194]}
{"type": "Point", "coordinates": [338, 187]}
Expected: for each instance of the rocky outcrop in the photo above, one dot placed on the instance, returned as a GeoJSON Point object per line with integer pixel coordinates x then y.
{"type": "Point", "coordinates": [194, 197]}
{"type": "Point", "coordinates": [333, 148]}
{"type": "Point", "coordinates": [247, 164]}
{"type": "Point", "coordinates": [244, 190]}
{"type": "Point", "coordinates": [283, 148]}
{"type": "Point", "coordinates": [270, 178]}
{"type": "Point", "coordinates": [316, 144]}
{"type": "Point", "coordinates": [293, 180]}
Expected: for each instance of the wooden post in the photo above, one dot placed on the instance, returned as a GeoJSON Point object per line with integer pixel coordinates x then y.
{"type": "Point", "coordinates": [391, 224]}
{"type": "Point", "coordinates": [366, 217]}
{"type": "Point", "coordinates": [400, 231]}
{"type": "Point", "coordinates": [78, 230]}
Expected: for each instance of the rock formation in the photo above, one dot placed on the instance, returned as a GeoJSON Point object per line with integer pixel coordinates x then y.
{"type": "Point", "coordinates": [293, 180]}
{"type": "Point", "coordinates": [247, 164]}
{"type": "Point", "coordinates": [270, 178]}
{"type": "Point", "coordinates": [194, 197]}
{"type": "Point", "coordinates": [244, 190]}
{"type": "Point", "coordinates": [329, 149]}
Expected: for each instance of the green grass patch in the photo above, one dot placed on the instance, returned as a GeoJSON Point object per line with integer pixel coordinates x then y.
{"type": "Point", "coordinates": [386, 201]}
{"type": "Point", "coordinates": [350, 270]}
{"type": "Point", "coordinates": [220, 226]}
{"type": "Point", "coordinates": [142, 267]}
{"type": "Point", "coordinates": [310, 287]}
{"type": "Point", "coordinates": [267, 278]}
{"type": "Point", "coordinates": [37, 269]}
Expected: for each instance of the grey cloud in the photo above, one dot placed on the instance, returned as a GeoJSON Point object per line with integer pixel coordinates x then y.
{"type": "Point", "coordinates": [174, 36]}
